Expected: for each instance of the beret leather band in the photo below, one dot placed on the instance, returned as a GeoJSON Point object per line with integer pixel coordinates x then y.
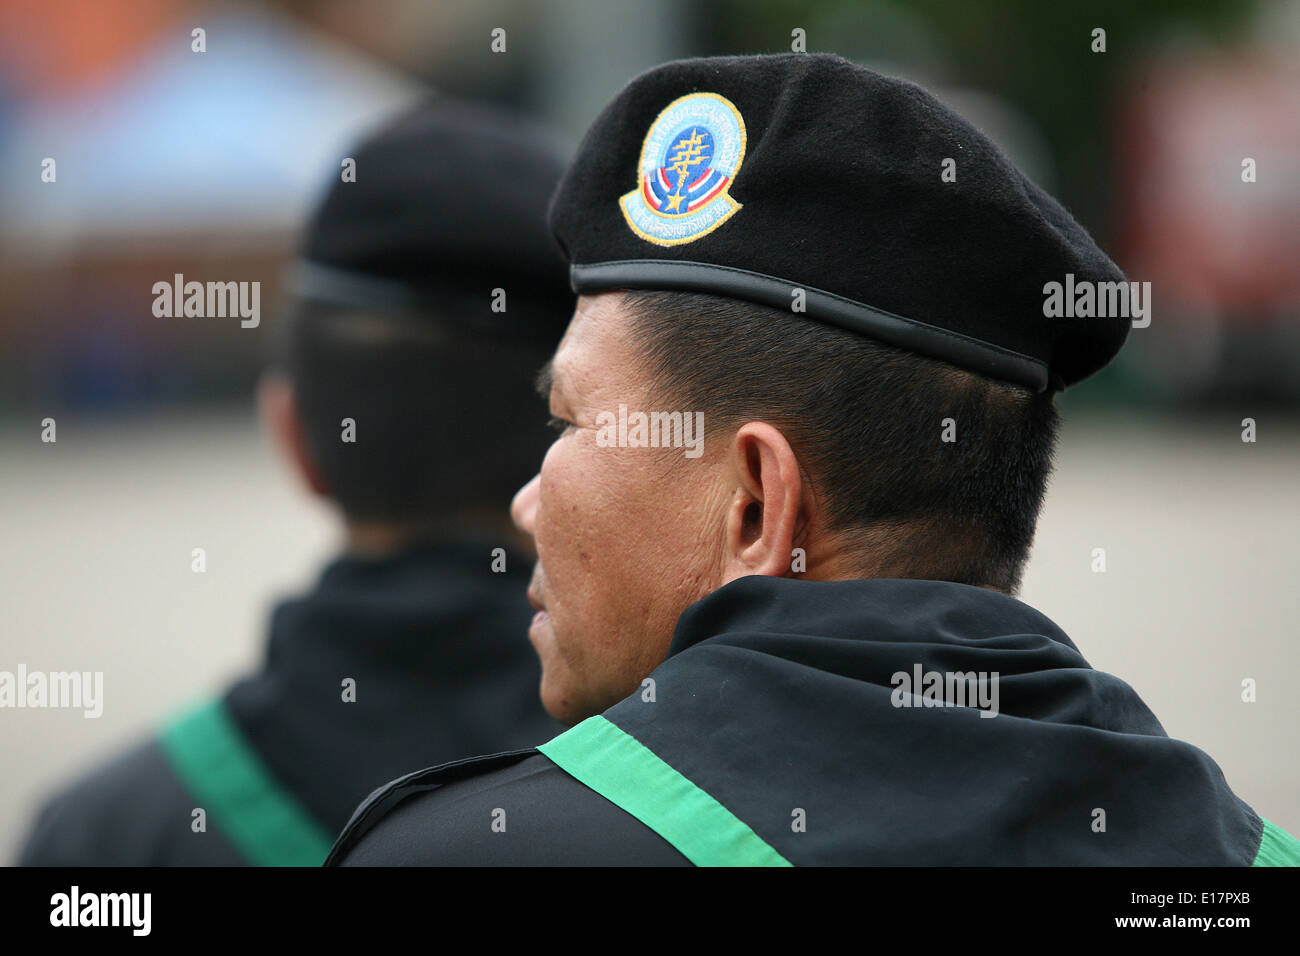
{"type": "Point", "coordinates": [529, 319]}
{"type": "Point", "coordinates": [350, 289]}
{"type": "Point", "coordinates": [674, 275]}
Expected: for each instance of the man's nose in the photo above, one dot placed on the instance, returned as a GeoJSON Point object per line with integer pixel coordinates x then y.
{"type": "Point", "coordinates": [524, 506]}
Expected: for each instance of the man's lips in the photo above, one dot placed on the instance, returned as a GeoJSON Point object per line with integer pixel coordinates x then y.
{"type": "Point", "coordinates": [542, 615]}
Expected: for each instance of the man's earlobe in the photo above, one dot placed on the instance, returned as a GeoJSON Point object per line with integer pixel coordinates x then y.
{"type": "Point", "coordinates": [277, 405]}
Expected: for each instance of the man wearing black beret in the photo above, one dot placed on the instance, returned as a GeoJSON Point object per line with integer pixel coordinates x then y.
{"type": "Point", "coordinates": [427, 294]}
{"type": "Point", "coordinates": [806, 423]}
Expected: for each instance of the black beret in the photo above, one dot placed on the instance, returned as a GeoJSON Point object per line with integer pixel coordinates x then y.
{"type": "Point", "coordinates": [753, 176]}
{"type": "Point", "coordinates": [448, 204]}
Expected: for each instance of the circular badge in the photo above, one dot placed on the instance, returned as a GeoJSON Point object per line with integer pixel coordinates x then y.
{"type": "Point", "coordinates": [688, 160]}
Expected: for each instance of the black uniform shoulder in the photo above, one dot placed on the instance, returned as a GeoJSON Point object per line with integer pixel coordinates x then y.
{"type": "Point", "coordinates": [516, 809]}
{"type": "Point", "coordinates": [130, 811]}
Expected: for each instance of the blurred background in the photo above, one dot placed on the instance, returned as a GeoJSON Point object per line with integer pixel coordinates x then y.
{"type": "Point", "coordinates": [170, 161]}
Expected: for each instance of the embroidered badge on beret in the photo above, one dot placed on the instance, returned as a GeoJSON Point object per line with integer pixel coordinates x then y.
{"type": "Point", "coordinates": [689, 158]}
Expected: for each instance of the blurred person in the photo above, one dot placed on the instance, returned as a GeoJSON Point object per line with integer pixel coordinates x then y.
{"type": "Point", "coordinates": [427, 294]}
{"type": "Point", "coordinates": [793, 638]}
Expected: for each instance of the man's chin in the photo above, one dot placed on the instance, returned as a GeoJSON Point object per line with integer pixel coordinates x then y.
{"type": "Point", "coordinates": [563, 710]}
{"type": "Point", "coordinates": [567, 706]}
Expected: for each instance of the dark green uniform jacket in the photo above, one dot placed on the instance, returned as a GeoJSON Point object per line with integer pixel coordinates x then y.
{"type": "Point", "coordinates": [797, 722]}
{"type": "Point", "coordinates": [436, 644]}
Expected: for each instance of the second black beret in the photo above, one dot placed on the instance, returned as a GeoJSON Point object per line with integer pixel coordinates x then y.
{"type": "Point", "coordinates": [448, 204]}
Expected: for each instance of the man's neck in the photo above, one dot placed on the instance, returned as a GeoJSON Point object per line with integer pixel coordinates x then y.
{"type": "Point", "coordinates": [381, 539]}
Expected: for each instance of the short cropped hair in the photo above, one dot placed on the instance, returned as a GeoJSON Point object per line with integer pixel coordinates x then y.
{"type": "Point", "coordinates": [446, 419]}
{"type": "Point", "coordinates": [868, 424]}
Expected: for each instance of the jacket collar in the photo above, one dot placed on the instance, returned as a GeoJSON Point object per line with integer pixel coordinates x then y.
{"type": "Point", "coordinates": [875, 609]}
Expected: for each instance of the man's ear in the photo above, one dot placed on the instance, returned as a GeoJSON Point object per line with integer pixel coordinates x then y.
{"type": "Point", "coordinates": [278, 407]}
{"type": "Point", "coordinates": [767, 513]}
